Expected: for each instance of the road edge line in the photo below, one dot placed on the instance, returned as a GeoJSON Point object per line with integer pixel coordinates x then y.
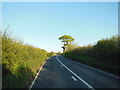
{"type": "Point", "coordinates": [37, 74]}
{"type": "Point", "coordinates": [96, 69]}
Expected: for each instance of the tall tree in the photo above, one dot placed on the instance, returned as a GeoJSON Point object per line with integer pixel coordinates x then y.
{"type": "Point", "coordinates": [66, 39]}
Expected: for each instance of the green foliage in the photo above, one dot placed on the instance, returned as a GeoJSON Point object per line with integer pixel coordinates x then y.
{"type": "Point", "coordinates": [108, 49]}
{"type": "Point", "coordinates": [20, 62]}
{"type": "Point", "coordinates": [0, 47]}
{"type": "Point", "coordinates": [66, 39]}
{"type": "Point", "coordinates": [104, 54]}
{"type": "Point", "coordinates": [71, 47]}
{"type": "Point", "coordinates": [59, 53]}
{"type": "Point", "coordinates": [51, 54]}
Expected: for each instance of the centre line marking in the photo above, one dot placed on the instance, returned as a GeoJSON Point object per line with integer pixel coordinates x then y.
{"type": "Point", "coordinates": [89, 86]}
{"type": "Point", "coordinates": [73, 78]}
{"type": "Point", "coordinates": [61, 65]}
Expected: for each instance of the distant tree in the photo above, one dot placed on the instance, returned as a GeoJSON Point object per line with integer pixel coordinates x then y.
{"type": "Point", "coordinates": [51, 54]}
{"type": "Point", "coordinates": [66, 39]}
{"type": "Point", "coordinates": [59, 52]}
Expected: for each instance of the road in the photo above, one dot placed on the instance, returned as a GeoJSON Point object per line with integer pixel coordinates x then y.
{"type": "Point", "coordinates": [61, 72]}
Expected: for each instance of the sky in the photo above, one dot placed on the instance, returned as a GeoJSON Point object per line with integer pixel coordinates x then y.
{"type": "Point", "coordinates": [41, 23]}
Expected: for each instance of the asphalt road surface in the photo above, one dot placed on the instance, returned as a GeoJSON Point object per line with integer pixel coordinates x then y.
{"type": "Point", "coordinates": [61, 72]}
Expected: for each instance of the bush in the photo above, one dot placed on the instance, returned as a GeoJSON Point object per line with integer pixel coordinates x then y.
{"type": "Point", "coordinates": [105, 54]}
{"type": "Point", "coordinates": [20, 62]}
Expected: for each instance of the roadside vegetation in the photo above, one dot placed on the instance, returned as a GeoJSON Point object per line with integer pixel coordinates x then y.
{"type": "Point", "coordinates": [50, 54]}
{"type": "Point", "coordinates": [103, 55]}
{"type": "Point", "coordinates": [20, 62]}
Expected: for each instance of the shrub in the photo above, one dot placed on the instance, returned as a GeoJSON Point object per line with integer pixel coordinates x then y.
{"type": "Point", "coordinates": [105, 53]}
{"type": "Point", "coordinates": [20, 62]}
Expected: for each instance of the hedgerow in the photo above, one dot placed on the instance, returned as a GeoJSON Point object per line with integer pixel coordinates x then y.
{"type": "Point", "coordinates": [20, 62]}
{"type": "Point", "coordinates": [104, 54]}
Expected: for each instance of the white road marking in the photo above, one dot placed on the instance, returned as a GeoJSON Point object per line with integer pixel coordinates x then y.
{"type": "Point", "coordinates": [97, 70]}
{"type": "Point", "coordinates": [102, 71]}
{"type": "Point", "coordinates": [73, 78]}
{"type": "Point", "coordinates": [89, 86]}
{"type": "Point", "coordinates": [61, 65]}
{"type": "Point", "coordinates": [36, 76]}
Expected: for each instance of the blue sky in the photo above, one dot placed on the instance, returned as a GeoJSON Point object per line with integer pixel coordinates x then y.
{"type": "Point", "coordinates": [41, 24]}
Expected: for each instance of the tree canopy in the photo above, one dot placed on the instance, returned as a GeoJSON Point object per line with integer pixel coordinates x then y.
{"type": "Point", "coordinates": [66, 39]}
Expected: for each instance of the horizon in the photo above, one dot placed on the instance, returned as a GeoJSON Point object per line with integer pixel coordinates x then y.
{"type": "Point", "coordinates": [41, 24]}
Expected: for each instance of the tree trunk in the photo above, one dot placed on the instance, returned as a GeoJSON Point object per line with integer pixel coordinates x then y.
{"type": "Point", "coordinates": [63, 50]}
